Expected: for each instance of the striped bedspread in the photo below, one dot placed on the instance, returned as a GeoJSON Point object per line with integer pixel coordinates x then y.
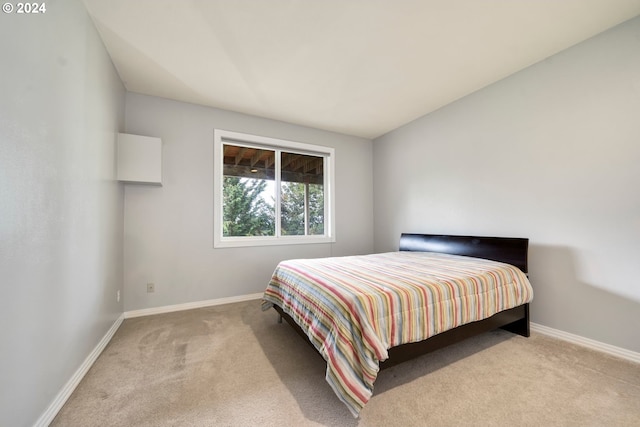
{"type": "Point", "coordinates": [355, 308]}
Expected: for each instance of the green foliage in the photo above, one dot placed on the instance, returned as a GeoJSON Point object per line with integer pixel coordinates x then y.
{"type": "Point", "coordinates": [316, 209]}
{"type": "Point", "coordinates": [292, 209]}
{"type": "Point", "coordinates": [245, 212]}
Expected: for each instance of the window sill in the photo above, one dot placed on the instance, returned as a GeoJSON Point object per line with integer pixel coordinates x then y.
{"type": "Point", "coordinates": [238, 242]}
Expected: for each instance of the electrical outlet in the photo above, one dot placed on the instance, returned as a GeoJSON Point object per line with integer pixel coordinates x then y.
{"type": "Point", "coordinates": [151, 287]}
{"type": "Point", "coordinates": [118, 295]}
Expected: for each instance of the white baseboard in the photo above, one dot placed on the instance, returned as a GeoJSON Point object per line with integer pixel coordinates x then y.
{"type": "Point", "coordinates": [586, 342]}
{"type": "Point", "coordinates": [190, 305]}
{"type": "Point", "coordinates": [47, 417]}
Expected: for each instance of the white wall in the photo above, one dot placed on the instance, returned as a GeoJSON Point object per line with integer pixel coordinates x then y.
{"type": "Point", "coordinates": [169, 229]}
{"type": "Point", "coordinates": [551, 153]}
{"type": "Point", "coordinates": [61, 211]}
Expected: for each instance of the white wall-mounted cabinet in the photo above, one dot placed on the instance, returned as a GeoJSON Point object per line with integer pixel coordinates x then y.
{"type": "Point", "coordinates": [139, 159]}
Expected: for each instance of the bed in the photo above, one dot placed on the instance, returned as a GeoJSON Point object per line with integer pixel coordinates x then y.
{"type": "Point", "coordinates": [369, 312]}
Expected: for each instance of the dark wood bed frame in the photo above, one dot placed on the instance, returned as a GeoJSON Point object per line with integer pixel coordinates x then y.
{"type": "Point", "coordinates": [504, 249]}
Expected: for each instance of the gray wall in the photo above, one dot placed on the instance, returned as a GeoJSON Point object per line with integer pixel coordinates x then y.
{"type": "Point", "coordinates": [61, 211]}
{"type": "Point", "coordinates": [169, 229]}
{"type": "Point", "coordinates": [551, 153]}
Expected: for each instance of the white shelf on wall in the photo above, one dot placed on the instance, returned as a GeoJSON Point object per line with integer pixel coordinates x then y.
{"type": "Point", "coordinates": [139, 159]}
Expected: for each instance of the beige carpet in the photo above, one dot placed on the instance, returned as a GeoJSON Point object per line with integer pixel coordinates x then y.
{"type": "Point", "coordinates": [234, 365]}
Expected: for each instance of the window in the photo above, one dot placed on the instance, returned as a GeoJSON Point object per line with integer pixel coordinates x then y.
{"type": "Point", "coordinates": [269, 191]}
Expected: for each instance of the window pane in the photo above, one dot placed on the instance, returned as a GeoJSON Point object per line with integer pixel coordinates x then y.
{"type": "Point", "coordinates": [302, 194]}
{"type": "Point", "coordinates": [248, 191]}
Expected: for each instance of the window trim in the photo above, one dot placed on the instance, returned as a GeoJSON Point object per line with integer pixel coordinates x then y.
{"type": "Point", "coordinates": [223, 136]}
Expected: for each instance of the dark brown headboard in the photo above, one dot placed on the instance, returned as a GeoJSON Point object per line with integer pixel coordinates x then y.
{"type": "Point", "coordinates": [511, 250]}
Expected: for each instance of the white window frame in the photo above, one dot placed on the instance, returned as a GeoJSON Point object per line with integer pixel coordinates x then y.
{"type": "Point", "coordinates": [223, 136]}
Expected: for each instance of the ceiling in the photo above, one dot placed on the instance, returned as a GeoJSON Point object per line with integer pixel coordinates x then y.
{"type": "Point", "coordinates": [358, 67]}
